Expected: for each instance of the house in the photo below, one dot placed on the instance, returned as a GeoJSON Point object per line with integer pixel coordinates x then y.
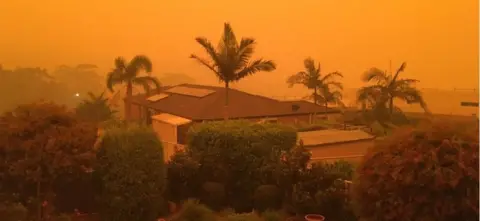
{"type": "Point", "coordinates": [331, 145]}
{"type": "Point", "coordinates": [176, 108]}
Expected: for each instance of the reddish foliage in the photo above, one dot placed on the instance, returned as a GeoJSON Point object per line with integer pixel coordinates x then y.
{"type": "Point", "coordinates": [423, 173]}
{"type": "Point", "coordinates": [43, 143]}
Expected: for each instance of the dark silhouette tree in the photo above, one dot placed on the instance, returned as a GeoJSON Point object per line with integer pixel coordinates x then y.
{"type": "Point", "coordinates": [95, 109]}
{"type": "Point", "coordinates": [128, 74]}
{"type": "Point", "coordinates": [388, 87]}
{"type": "Point", "coordinates": [325, 89]}
{"type": "Point", "coordinates": [232, 61]}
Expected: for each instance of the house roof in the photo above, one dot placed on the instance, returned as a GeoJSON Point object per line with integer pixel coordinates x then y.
{"type": "Point", "coordinates": [332, 136]}
{"type": "Point", "coordinates": [200, 102]}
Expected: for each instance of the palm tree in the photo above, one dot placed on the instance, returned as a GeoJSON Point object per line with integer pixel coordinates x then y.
{"type": "Point", "coordinates": [127, 73]}
{"type": "Point", "coordinates": [325, 89]}
{"type": "Point", "coordinates": [231, 60]}
{"type": "Point", "coordinates": [388, 87]}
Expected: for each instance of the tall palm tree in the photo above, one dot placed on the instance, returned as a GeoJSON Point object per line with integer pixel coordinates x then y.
{"type": "Point", "coordinates": [325, 89]}
{"type": "Point", "coordinates": [231, 61]}
{"type": "Point", "coordinates": [128, 73]}
{"type": "Point", "coordinates": [388, 87]}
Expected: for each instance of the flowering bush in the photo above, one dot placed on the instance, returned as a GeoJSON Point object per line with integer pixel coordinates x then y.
{"type": "Point", "coordinates": [424, 173]}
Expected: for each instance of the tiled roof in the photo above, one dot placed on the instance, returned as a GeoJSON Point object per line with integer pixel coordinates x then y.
{"type": "Point", "coordinates": [212, 106]}
{"type": "Point", "coordinates": [323, 137]}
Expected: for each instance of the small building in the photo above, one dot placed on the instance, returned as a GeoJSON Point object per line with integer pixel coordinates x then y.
{"type": "Point", "coordinates": [176, 108]}
{"type": "Point", "coordinates": [331, 145]}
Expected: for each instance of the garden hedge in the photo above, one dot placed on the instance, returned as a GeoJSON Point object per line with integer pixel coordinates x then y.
{"type": "Point", "coordinates": [422, 173]}
{"type": "Point", "coordinates": [233, 153]}
{"type": "Point", "coordinates": [132, 174]}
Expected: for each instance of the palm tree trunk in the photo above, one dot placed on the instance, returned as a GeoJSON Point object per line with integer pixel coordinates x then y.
{"type": "Point", "coordinates": [128, 104]}
{"type": "Point", "coordinates": [315, 95]}
{"type": "Point", "coordinates": [227, 88]}
{"type": "Point", "coordinates": [391, 105]}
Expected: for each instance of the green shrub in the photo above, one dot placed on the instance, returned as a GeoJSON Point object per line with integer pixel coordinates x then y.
{"type": "Point", "coordinates": [263, 138]}
{"type": "Point", "coordinates": [183, 178]}
{"type": "Point", "coordinates": [271, 215]}
{"type": "Point", "coordinates": [132, 173]}
{"type": "Point", "coordinates": [335, 202]}
{"type": "Point", "coordinates": [13, 212]}
{"type": "Point", "coordinates": [243, 217]}
{"type": "Point", "coordinates": [213, 195]}
{"type": "Point", "coordinates": [267, 197]}
{"type": "Point", "coordinates": [193, 211]}
{"type": "Point", "coordinates": [231, 152]}
{"type": "Point", "coordinates": [422, 173]}
{"type": "Point", "coordinates": [320, 187]}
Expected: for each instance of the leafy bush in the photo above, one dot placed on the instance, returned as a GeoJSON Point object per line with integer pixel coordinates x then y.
{"type": "Point", "coordinates": [321, 185]}
{"type": "Point", "coordinates": [183, 177]}
{"type": "Point", "coordinates": [270, 215]}
{"type": "Point", "coordinates": [60, 149]}
{"type": "Point", "coordinates": [232, 152]}
{"type": "Point", "coordinates": [193, 211]}
{"type": "Point", "coordinates": [13, 212]}
{"type": "Point", "coordinates": [95, 109]}
{"type": "Point", "coordinates": [213, 195]}
{"type": "Point", "coordinates": [289, 171]}
{"type": "Point", "coordinates": [267, 197]}
{"type": "Point", "coordinates": [335, 202]}
{"type": "Point", "coordinates": [423, 173]}
{"type": "Point", "coordinates": [243, 217]}
{"type": "Point", "coordinates": [132, 174]}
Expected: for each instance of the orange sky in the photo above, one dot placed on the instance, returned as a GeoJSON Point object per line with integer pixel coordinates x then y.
{"type": "Point", "coordinates": [438, 38]}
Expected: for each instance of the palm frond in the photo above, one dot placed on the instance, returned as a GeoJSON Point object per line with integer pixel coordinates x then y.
{"type": "Point", "coordinates": [212, 53]}
{"type": "Point", "coordinates": [298, 78]}
{"type": "Point", "coordinates": [148, 83]}
{"type": "Point", "coordinates": [114, 77]}
{"type": "Point", "coordinates": [245, 52]}
{"type": "Point", "coordinates": [411, 95]}
{"type": "Point", "coordinates": [208, 65]}
{"type": "Point", "coordinates": [336, 84]}
{"type": "Point", "coordinates": [331, 76]}
{"type": "Point", "coordinates": [405, 82]}
{"type": "Point", "coordinates": [139, 62]}
{"type": "Point", "coordinates": [254, 67]}
{"type": "Point", "coordinates": [310, 68]}
{"type": "Point", "coordinates": [369, 95]}
{"type": "Point", "coordinates": [229, 43]}
{"type": "Point", "coordinates": [120, 63]}
{"type": "Point", "coordinates": [375, 74]}
{"type": "Point", "coordinates": [92, 96]}
{"type": "Point", "coordinates": [399, 70]}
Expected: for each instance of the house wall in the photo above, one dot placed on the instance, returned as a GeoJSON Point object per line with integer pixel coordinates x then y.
{"type": "Point", "coordinates": [351, 151]}
{"type": "Point", "coordinates": [167, 134]}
